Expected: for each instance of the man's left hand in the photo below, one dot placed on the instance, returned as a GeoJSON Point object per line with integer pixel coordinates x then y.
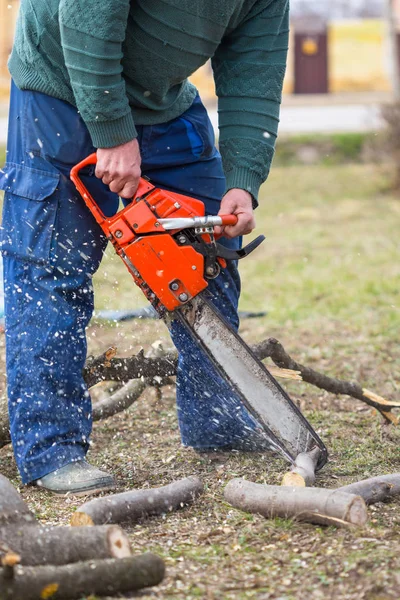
{"type": "Point", "coordinates": [237, 202]}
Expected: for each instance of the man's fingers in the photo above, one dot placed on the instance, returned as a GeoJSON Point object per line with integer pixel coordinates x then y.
{"type": "Point", "coordinates": [119, 168]}
{"type": "Point", "coordinates": [129, 189]}
{"type": "Point", "coordinates": [117, 185]}
{"type": "Point", "coordinates": [125, 188]}
{"type": "Point", "coordinates": [99, 171]}
{"type": "Point", "coordinates": [245, 225]}
{"type": "Point", "coordinates": [106, 179]}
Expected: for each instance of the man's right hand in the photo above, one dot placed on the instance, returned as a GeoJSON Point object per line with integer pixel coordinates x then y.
{"type": "Point", "coordinates": [119, 168]}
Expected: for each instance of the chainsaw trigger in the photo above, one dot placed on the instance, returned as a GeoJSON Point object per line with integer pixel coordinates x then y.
{"type": "Point", "coordinates": [229, 254]}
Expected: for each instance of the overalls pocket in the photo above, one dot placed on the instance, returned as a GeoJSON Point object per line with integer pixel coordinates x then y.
{"type": "Point", "coordinates": [197, 118]}
{"type": "Point", "coordinates": [29, 212]}
{"type": "Point", "coordinates": [181, 141]}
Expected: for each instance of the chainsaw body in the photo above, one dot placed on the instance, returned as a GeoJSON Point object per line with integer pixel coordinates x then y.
{"type": "Point", "coordinates": [165, 240]}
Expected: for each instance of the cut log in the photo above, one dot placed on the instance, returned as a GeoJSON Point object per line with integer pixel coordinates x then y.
{"type": "Point", "coordinates": [315, 505]}
{"type": "Point", "coordinates": [69, 582]}
{"type": "Point", "coordinates": [375, 489]}
{"type": "Point", "coordinates": [21, 533]}
{"type": "Point", "coordinates": [302, 473]}
{"type": "Point", "coordinates": [12, 508]}
{"type": "Point", "coordinates": [136, 504]}
{"type": "Point", "coordinates": [39, 545]}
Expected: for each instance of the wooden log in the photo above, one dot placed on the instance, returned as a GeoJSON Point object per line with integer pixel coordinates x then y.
{"type": "Point", "coordinates": [136, 504]}
{"type": "Point", "coordinates": [69, 582]}
{"type": "Point", "coordinates": [315, 505]}
{"type": "Point", "coordinates": [375, 489]}
{"type": "Point", "coordinates": [302, 473]}
{"type": "Point", "coordinates": [38, 545]}
{"type": "Point", "coordinates": [12, 508]}
{"type": "Point", "coordinates": [21, 533]}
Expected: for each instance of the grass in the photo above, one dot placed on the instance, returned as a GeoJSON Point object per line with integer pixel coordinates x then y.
{"type": "Point", "coordinates": [328, 149]}
{"type": "Point", "coordinates": [328, 275]}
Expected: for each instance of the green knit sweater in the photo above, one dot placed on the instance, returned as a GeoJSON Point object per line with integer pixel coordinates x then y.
{"type": "Point", "coordinates": [122, 62]}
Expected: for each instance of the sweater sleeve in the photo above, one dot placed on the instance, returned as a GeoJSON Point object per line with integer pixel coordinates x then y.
{"type": "Point", "coordinates": [92, 34]}
{"type": "Point", "coordinates": [249, 67]}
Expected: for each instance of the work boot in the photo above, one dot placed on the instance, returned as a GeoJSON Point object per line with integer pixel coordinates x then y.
{"type": "Point", "coordinates": [78, 479]}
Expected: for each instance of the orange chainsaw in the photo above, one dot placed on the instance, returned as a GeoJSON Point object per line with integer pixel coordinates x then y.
{"type": "Point", "coordinates": [168, 245]}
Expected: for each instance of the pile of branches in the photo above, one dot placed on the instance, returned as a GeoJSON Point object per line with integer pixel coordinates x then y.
{"type": "Point", "coordinates": [65, 562]}
{"type": "Point", "coordinates": [132, 375]}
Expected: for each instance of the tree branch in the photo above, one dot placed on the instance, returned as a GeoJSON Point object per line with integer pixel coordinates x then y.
{"type": "Point", "coordinates": [125, 369]}
{"type": "Point", "coordinates": [279, 356]}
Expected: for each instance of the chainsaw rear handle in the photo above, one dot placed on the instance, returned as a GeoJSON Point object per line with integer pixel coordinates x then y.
{"type": "Point", "coordinates": [144, 186]}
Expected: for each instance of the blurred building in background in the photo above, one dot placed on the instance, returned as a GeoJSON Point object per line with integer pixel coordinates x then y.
{"type": "Point", "coordinates": [336, 46]}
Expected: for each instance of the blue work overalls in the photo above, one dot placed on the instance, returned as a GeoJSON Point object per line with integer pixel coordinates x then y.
{"type": "Point", "coordinates": [52, 247]}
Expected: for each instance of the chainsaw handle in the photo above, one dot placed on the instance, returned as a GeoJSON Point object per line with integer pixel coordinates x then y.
{"type": "Point", "coordinates": [144, 186]}
{"type": "Point", "coordinates": [228, 220]}
{"type": "Point", "coordinates": [74, 175]}
{"type": "Point", "coordinates": [89, 160]}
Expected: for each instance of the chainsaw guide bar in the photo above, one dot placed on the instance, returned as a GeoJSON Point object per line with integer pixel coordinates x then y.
{"type": "Point", "coordinates": [286, 429]}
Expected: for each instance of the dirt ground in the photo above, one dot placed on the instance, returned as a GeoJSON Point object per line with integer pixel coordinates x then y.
{"type": "Point", "coordinates": [213, 551]}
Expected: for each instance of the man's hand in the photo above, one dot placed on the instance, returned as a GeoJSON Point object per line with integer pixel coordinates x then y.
{"type": "Point", "coordinates": [119, 168]}
{"type": "Point", "coordinates": [237, 202]}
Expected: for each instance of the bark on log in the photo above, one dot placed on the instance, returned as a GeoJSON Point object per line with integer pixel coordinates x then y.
{"type": "Point", "coordinates": [133, 367]}
{"type": "Point", "coordinates": [39, 545]}
{"type": "Point", "coordinates": [69, 582]}
{"type": "Point", "coordinates": [302, 473]}
{"type": "Point", "coordinates": [4, 423]}
{"type": "Point", "coordinates": [124, 397]}
{"type": "Point", "coordinates": [136, 504]}
{"type": "Point", "coordinates": [315, 505]}
{"type": "Point", "coordinates": [12, 508]}
{"type": "Point", "coordinates": [375, 489]}
{"type": "Point", "coordinates": [119, 400]}
{"type": "Point", "coordinates": [21, 533]}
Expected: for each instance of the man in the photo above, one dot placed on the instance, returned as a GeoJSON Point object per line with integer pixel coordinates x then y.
{"type": "Point", "coordinates": [112, 76]}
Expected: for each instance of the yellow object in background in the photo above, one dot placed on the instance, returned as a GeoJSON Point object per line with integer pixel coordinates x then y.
{"type": "Point", "coordinates": [357, 56]}
{"type": "Point", "coordinates": [309, 46]}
